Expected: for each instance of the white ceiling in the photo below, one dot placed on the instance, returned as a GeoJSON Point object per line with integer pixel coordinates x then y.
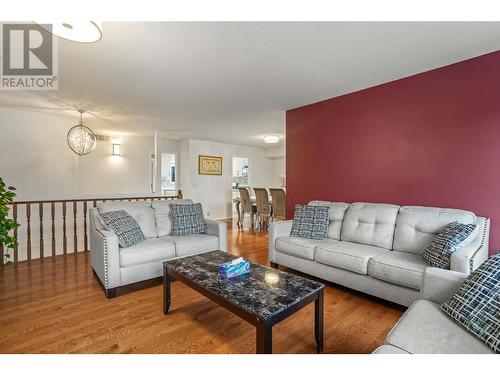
{"type": "Point", "coordinates": [232, 82]}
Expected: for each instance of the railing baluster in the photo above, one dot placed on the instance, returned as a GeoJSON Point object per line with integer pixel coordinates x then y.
{"type": "Point", "coordinates": [85, 223]}
{"type": "Point", "coordinates": [28, 241]}
{"type": "Point", "coordinates": [40, 213]}
{"type": "Point", "coordinates": [53, 214]}
{"type": "Point", "coordinates": [16, 247]}
{"type": "Point", "coordinates": [65, 241]}
{"type": "Point", "coordinates": [85, 247]}
{"type": "Point", "coordinates": [75, 236]}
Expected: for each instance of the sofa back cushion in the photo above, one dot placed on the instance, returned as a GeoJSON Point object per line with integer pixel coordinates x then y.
{"type": "Point", "coordinates": [336, 212]}
{"type": "Point", "coordinates": [370, 224]}
{"type": "Point", "coordinates": [142, 212]}
{"type": "Point", "coordinates": [417, 226]}
{"type": "Point", "coordinates": [163, 217]}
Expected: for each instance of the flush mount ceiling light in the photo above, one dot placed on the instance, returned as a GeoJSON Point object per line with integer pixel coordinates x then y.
{"type": "Point", "coordinates": [81, 140]}
{"type": "Point", "coordinates": [77, 31]}
{"type": "Point", "coordinates": [271, 138]}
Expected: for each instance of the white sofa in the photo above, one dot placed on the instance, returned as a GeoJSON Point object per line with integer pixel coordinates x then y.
{"type": "Point", "coordinates": [426, 329]}
{"type": "Point", "coordinates": [377, 248]}
{"type": "Point", "coordinates": [116, 266]}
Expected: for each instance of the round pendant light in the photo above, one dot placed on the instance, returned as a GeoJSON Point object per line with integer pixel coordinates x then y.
{"type": "Point", "coordinates": [76, 31]}
{"type": "Point", "coordinates": [81, 140]}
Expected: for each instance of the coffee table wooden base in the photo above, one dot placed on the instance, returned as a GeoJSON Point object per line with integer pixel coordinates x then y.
{"type": "Point", "coordinates": [264, 328]}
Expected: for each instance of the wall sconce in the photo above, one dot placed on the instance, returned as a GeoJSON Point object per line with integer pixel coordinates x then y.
{"type": "Point", "coordinates": [116, 149]}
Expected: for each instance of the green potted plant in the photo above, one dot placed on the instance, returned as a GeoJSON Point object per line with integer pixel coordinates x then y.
{"type": "Point", "coordinates": [7, 224]}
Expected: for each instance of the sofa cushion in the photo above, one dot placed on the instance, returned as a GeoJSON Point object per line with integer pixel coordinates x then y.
{"type": "Point", "coordinates": [336, 212]}
{"type": "Point", "coordinates": [476, 305]}
{"type": "Point", "coordinates": [162, 215]}
{"type": "Point", "coordinates": [194, 243]}
{"type": "Point", "coordinates": [150, 250]}
{"type": "Point", "coordinates": [425, 329]}
{"type": "Point", "coordinates": [399, 268]}
{"type": "Point", "coordinates": [142, 212]}
{"type": "Point", "coordinates": [451, 238]}
{"type": "Point", "coordinates": [370, 224]}
{"type": "Point", "coordinates": [310, 222]}
{"type": "Point", "coordinates": [187, 219]}
{"type": "Point", "coordinates": [299, 247]}
{"type": "Point", "coordinates": [417, 226]}
{"type": "Point", "coordinates": [347, 255]}
{"type": "Point", "coordinates": [124, 226]}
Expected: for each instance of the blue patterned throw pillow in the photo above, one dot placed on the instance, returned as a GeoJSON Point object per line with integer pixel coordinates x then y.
{"type": "Point", "coordinates": [187, 219]}
{"type": "Point", "coordinates": [125, 227]}
{"type": "Point", "coordinates": [451, 238]}
{"type": "Point", "coordinates": [476, 305]}
{"type": "Point", "coordinates": [310, 222]}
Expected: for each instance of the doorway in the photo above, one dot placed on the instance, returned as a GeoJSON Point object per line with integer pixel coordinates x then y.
{"type": "Point", "coordinates": [169, 174]}
{"type": "Point", "coordinates": [240, 174]}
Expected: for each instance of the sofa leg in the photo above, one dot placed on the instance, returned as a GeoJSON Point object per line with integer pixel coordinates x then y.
{"type": "Point", "coordinates": [111, 293]}
{"type": "Point", "coordinates": [274, 265]}
{"type": "Point", "coordinates": [95, 274]}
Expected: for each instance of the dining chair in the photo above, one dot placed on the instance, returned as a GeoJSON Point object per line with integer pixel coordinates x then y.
{"type": "Point", "coordinates": [247, 206]}
{"type": "Point", "coordinates": [278, 202]}
{"type": "Point", "coordinates": [263, 207]}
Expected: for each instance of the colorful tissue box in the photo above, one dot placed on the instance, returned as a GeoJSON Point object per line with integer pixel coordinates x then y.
{"type": "Point", "coordinates": [235, 268]}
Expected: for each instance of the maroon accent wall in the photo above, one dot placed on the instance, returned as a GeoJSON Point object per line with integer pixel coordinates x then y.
{"type": "Point", "coordinates": [432, 139]}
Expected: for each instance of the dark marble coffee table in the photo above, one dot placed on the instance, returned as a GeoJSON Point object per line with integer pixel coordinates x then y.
{"type": "Point", "coordinates": [263, 297]}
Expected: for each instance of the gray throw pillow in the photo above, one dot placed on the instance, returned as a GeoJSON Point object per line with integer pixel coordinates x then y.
{"type": "Point", "coordinates": [451, 238]}
{"type": "Point", "coordinates": [476, 305]}
{"type": "Point", "coordinates": [187, 219]}
{"type": "Point", "coordinates": [125, 227]}
{"type": "Point", "coordinates": [310, 222]}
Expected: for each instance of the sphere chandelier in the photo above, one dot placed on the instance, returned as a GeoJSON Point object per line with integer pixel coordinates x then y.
{"type": "Point", "coordinates": [81, 139]}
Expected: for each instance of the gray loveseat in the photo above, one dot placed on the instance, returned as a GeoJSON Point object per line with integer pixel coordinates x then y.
{"type": "Point", "coordinates": [116, 266]}
{"type": "Point", "coordinates": [377, 248]}
{"type": "Point", "coordinates": [426, 329]}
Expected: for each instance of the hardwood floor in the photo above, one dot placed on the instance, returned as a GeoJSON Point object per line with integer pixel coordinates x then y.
{"type": "Point", "coordinates": [56, 305]}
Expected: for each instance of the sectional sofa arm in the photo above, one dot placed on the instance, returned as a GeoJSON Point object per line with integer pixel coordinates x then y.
{"type": "Point", "coordinates": [277, 229]}
{"type": "Point", "coordinates": [219, 229]}
{"type": "Point", "coordinates": [438, 285]}
{"type": "Point", "coordinates": [104, 253]}
{"type": "Point", "coordinates": [470, 257]}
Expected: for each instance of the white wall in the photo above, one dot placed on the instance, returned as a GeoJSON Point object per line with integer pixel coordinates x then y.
{"type": "Point", "coordinates": [278, 156]}
{"type": "Point", "coordinates": [102, 174]}
{"type": "Point", "coordinates": [214, 192]}
{"type": "Point", "coordinates": [36, 159]}
{"type": "Point", "coordinates": [279, 169]}
{"type": "Point", "coordinates": [34, 155]}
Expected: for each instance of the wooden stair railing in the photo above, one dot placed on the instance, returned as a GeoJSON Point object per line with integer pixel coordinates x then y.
{"type": "Point", "coordinates": [49, 226]}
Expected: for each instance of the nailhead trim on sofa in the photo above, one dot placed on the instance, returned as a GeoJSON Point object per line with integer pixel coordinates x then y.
{"type": "Point", "coordinates": [471, 261]}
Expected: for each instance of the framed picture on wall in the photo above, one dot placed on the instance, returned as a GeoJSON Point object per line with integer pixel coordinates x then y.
{"type": "Point", "coordinates": [210, 165]}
